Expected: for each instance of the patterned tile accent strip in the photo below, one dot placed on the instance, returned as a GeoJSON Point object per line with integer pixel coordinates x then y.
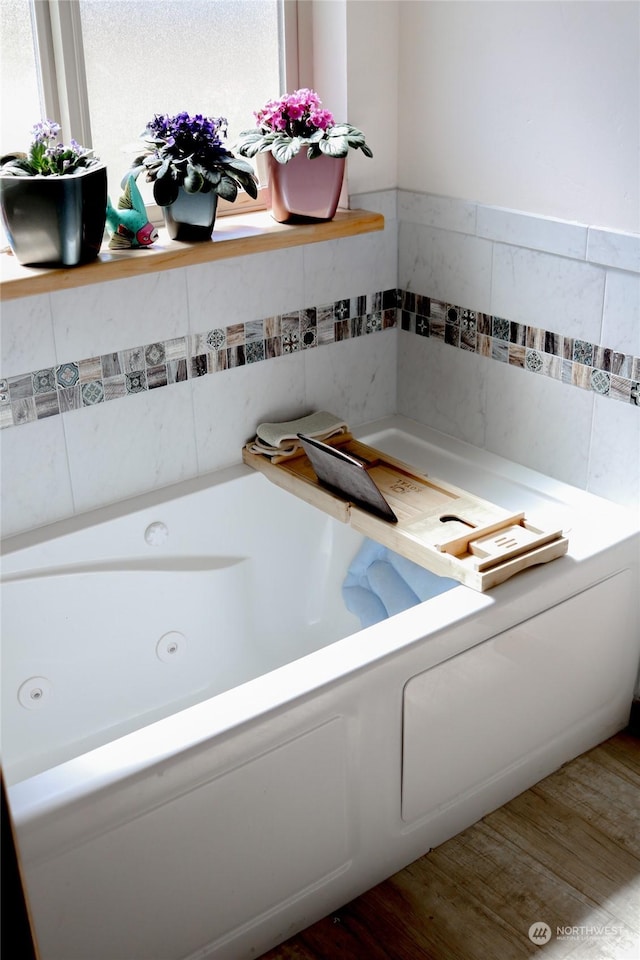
{"type": "Point", "coordinates": [86, 382]}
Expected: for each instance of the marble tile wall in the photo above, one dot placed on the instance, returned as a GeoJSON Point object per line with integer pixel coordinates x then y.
{"type": "Point", "coordinates": [183, 405]}
{"type": "Point", "coordinates": [516, 333]}
{"type": "Point", "coordinates": [544, 320]}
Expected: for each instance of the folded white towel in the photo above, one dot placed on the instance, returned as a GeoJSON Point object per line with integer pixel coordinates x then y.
{"type": "Point", "coordinates": [280, 440]}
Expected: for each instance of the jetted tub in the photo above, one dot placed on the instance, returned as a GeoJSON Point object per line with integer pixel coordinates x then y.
{"type": "Point", "coordinates": [203, 752]}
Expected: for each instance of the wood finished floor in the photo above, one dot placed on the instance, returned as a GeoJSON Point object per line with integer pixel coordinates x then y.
{"type": "Point", "coordinates": [565, 853]}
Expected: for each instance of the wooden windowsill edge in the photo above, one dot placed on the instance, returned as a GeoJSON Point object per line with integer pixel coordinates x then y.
{"type": "Point", "coordinates": [233, 236]}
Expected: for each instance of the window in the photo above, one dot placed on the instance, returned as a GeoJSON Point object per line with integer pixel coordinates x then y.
{"type": "Point", "coordinates": [105, 67]}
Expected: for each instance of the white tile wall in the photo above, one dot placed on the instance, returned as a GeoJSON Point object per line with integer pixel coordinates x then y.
{"type": "Point", "coordinates": [532, 270]}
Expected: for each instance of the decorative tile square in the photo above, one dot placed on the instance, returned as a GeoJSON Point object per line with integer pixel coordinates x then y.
{"type": "Point", "coordinates": [342, 330]}
{"type": "Point", "coordinates": [156, 377]}
{"type": "Point", "coordinates": [499, 350]}
{"type": "Point", "coordinates": [110, 363]}
{"type": "Point", "coordinates": [69, 398]}
{"type": "Point", "coordinates": [551, 366]}
{"type": "Point", "coordinates": [602, 358]}
{"type": "Point", "coordinates": [422, 326]}
{"type": "Point", "coordinates": [218, 360]}
{"type": "Point", "coordinates": [68, 374]}
{"type": "Point", "coordinates": [583, 352]}
{"type": "Point", "coordinates": [635, 393]}
{"type": "Point", "coordinates": [44, 381]}
{"type": "Point", "coordinates": [483, 347]}
{"type": "Point", "coordinates": [21, 387]}
{"type": "Point", "coordinates": [273, 347]}
{"type": "Point", "coordinates": [357, 325]}
{"type": "Point", "coordinates": [290, 324]}
{"type": "Point", "coordinates": [437, 328]}
{"type": "Point", "coordinates": [390, 318]}
{"type": "Point", "coordinates": [553, 343]}
{"type": "Point", "coordinates": [408, 301]}
{"type": "Point", "coordinates": [46, 405]}
{"type": "Point", "coordinates": [620, 388]}
{"type": "Point", "coordinates": [452, 313]}
{"type": "Point", "coordinates": [216, 339]}
{"type": "Point", "coordinates": [324, 314]}
{"type": "Point", "coordinates": [535, 338]}
{"type": "Point", "coordinates": [484, 323]}
{"type": "Point", "coordinates": [635, 369]}
{"type": "Point", "coordinates": [254, 351]}
{"type": "Point", "coordinates": [154, 354]}
{"type": "Point", "coordinates": [198, 366]}
{"type": "Point", "coordinates": [290, 341]}
{"type": "Point", "coordinates": [518, 333]}
{"type": "Point", "coordinates": [373, 323]}
{"type": "Point", "coordinates": [90, 369]}
{"type": "Point", "coordinates": [132, 360]}
{"type": "Point", "coordinates": [23, 411]}
{"type": "Point", "coordinates": [92, 392]}
{"type": "Point", "coordinates": [254, 330]}
{"type": "Point", "coordinates": [272, 327]}
{"type": "Point", "coordinates": [236, 356]}
{"type": "Point", "coordinates": [374, 302]}
{"type": "Point", "coordinates": [390, 298]}
{"type": "Point", "coordinates": [452, 334]}
{"type": "Point", "coordinates": [422, 305]}
{"type": "Point", "coordinates": [136, 381]}
{"type": "Point", "coordinates": [176, 371]}
{"type": "Point", "coordinates": [500, 328]}
{"type": "Point", "coordinates": [600, 382]}
{"type": "Point", "coordinates": [6, 415]}
{"type": "Point", "coordinates": [581, 376]}
{"type": "Point", "coordinates": [358, 306]}
{"type": "Point", "coordinates": [438, 310]}
{"type": "Point", "coordinates": [566, 374]}
{"type": "Point", "coordinates": [175, 349]}
{"type": "Point", "coordinates": [115, 387]}
{"type": "Point", "coordinates": [517, 354]}
{"type": "Point", "coordinates": [308, 338]}
{"type": "Point", "coordinates": [533, 361]}
{"type": "Point", "coordinates": [235, 335]}
{"type": "Point", "coordinates": [308, 318]}
{"type": "Point", "coordinates": [622, 365]}
{"type": "Point", "coordinates": [326, 330]}
{"type": "Point", "coordinates": [341, 310]}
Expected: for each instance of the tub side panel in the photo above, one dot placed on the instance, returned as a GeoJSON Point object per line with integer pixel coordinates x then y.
{"type": "Point", "coordinates": [183, 876]}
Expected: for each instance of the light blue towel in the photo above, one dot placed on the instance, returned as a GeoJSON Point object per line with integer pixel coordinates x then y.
{"type": "Point", "coordinates": [381, 583]}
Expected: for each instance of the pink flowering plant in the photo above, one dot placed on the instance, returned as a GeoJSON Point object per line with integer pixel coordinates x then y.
{"type": "Point", "coordinates": [295, 121]}
{"type": "Point", "coordinates": [46, 157]}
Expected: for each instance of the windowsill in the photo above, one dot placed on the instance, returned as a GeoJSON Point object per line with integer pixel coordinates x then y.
{"type": "Point", "coordinates": [233, 236]}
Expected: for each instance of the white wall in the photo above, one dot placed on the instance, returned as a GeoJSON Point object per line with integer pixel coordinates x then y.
{"type": "Point", "coordinates": [529, 105]}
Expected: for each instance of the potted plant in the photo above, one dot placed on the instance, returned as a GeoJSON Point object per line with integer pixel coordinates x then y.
{"type": "Point", "coordinates": [53, 200]}
{"type": "Point", "coordinates": [305, 151]}
{"type": "Point", "coordinates": [190, 167]}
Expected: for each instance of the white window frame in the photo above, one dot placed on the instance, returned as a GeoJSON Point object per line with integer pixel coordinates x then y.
{"type": "Point", "coordinates": [57, 31]}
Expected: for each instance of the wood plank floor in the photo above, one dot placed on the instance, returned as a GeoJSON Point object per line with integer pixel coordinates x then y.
{"type": "Point", "coordinates": [565, 853]}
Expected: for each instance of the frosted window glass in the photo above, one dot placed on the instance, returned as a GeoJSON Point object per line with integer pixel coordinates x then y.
{"type": "Point", "coordinates": [19, 97]}
{"type": "Point", "coordinates": [215, 57]}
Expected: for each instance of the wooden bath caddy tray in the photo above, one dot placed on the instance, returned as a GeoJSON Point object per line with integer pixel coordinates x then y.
{"type": "Point", "coordinates": [441, 527]}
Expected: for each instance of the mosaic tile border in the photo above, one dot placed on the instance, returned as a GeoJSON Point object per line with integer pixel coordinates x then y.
{"type": "Point", "coordinates": [83, 383]}
{"type": "Point", "coordinates": [571, 360]}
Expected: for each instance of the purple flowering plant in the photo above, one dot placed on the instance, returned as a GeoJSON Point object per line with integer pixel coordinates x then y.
{"type": "Point", "coordinates": [295, 121]}
{"type": "Point", "coordinates": [189, 151]}
{"type": "Point", "coordinates": [46, 157]}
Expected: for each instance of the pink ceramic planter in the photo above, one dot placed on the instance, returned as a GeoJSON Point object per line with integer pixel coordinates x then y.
{"type": "Point", "coordinates": [304, 189]}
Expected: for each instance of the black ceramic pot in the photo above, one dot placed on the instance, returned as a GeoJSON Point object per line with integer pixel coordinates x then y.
{"type": "Point", "coordinates": [56, 221]}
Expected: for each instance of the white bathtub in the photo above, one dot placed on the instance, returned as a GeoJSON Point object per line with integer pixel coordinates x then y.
{"type": "Point", "coordinates": [203, 752]}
